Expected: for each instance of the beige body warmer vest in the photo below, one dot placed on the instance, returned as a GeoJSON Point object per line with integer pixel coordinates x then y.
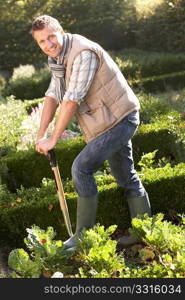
{"type": "Point", "coordinates": [109, 98]}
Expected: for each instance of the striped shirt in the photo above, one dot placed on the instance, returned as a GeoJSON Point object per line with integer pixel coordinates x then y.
{"type": "Point", "coordinates": [84, 67]}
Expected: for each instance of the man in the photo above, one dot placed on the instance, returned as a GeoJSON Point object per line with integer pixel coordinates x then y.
{"type": "Point", "coordinates": [87, 83]}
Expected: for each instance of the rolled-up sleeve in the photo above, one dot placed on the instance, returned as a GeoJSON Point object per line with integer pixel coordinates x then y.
{"type": "Point", "coordinates": [84, 68]}
{"type": "Point", "coordinates": [51, 89]}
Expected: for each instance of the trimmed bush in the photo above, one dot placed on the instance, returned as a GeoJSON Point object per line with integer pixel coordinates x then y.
{"type": "Point", "coordinates": [152, 108]}
{"type": "Point", "coordinates": [27, 168]}
{"type": "Point", "coordinates": [37, 206]}
{"type": "Point", "coordinates": [160, 83]}
{"type": "Point", "coordinates": [27, 83]}
{"type": "Point", "coordinates": [151, 71]}
{"type": "Point", "coordinates": [166, 134]}
{"type": "Point", "coordinates": [40, 206]}
{"type": "Point", "coordinates": [147, 71]}
{"type": "Point", "coordinates": [139, 64]}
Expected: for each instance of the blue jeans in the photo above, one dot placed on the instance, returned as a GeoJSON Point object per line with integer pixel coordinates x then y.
{"type": "Point", "coordinates": [115, 146]}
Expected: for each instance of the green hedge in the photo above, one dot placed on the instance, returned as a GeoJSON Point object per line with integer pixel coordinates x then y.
{"type": "Point", "coordinates": [163, 140]}
{"type": "Point", "coordinates": [151, 71]}
{"type": "Point", "coordinates": [27, 168]}
{"type": "Point", "coordinates": [27, 86]}
{"type": "Point", "coordinates": [160, 83]}
{"type": "Point", "coordinates": [138, 64]}
{"type": "Point", "coordinates": [166, 134]}
{"type": "Point", "coordinates": [153, 108]}
{"type": "Point", "coordinates": [147, 71]}
{"type": "Point", "coordinates": [33, 206]}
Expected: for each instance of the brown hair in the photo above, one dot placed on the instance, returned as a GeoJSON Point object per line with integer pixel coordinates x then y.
{"type": "Point", "coordinates": [42, 21]}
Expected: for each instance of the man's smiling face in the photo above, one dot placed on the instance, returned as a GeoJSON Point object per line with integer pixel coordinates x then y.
{"type": "Point", "coordinates": [49, 40]}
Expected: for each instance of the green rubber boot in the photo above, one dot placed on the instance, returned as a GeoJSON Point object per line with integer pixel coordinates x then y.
{"type": "Point", "coordinates": [86, 217]}
{"type": "Point", "coordinates": [137, 205]}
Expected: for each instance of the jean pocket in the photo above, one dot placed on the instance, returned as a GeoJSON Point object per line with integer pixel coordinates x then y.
{"type": "Point", "coordinates": [133, 118]}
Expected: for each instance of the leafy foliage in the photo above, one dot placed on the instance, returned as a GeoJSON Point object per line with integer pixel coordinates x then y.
{"type": "Point", "coordinates": [20, 261]}
{"type": "Point", "coordinates": [76, 16]}
{"type": "Point", "coordinates": [47, 255]}
{"type": "Point", "coordinates": [164, 21]}
{"type": "Point", "coordinates": [27, 82]}
{"type": "Point", "coordinates": [163, 235]}
{"type": "Point", "coordinates": [97, 255]}
{"type": "Point", "coordinates": [147, 160]}
{"type": "Point", "coordinates": [105, 262]}
{"type": "Point", "coordinates": [158, 26]}
{"type": "Point", "coordinates": [12, 114]}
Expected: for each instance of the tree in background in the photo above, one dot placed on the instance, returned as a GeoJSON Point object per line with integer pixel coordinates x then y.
{"type": "Point", "coordinates": [117, 24]}
{"type": "Point", "coordinates": [101, 20]}
{"type": "Point", "coordinates": [160, 25]}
